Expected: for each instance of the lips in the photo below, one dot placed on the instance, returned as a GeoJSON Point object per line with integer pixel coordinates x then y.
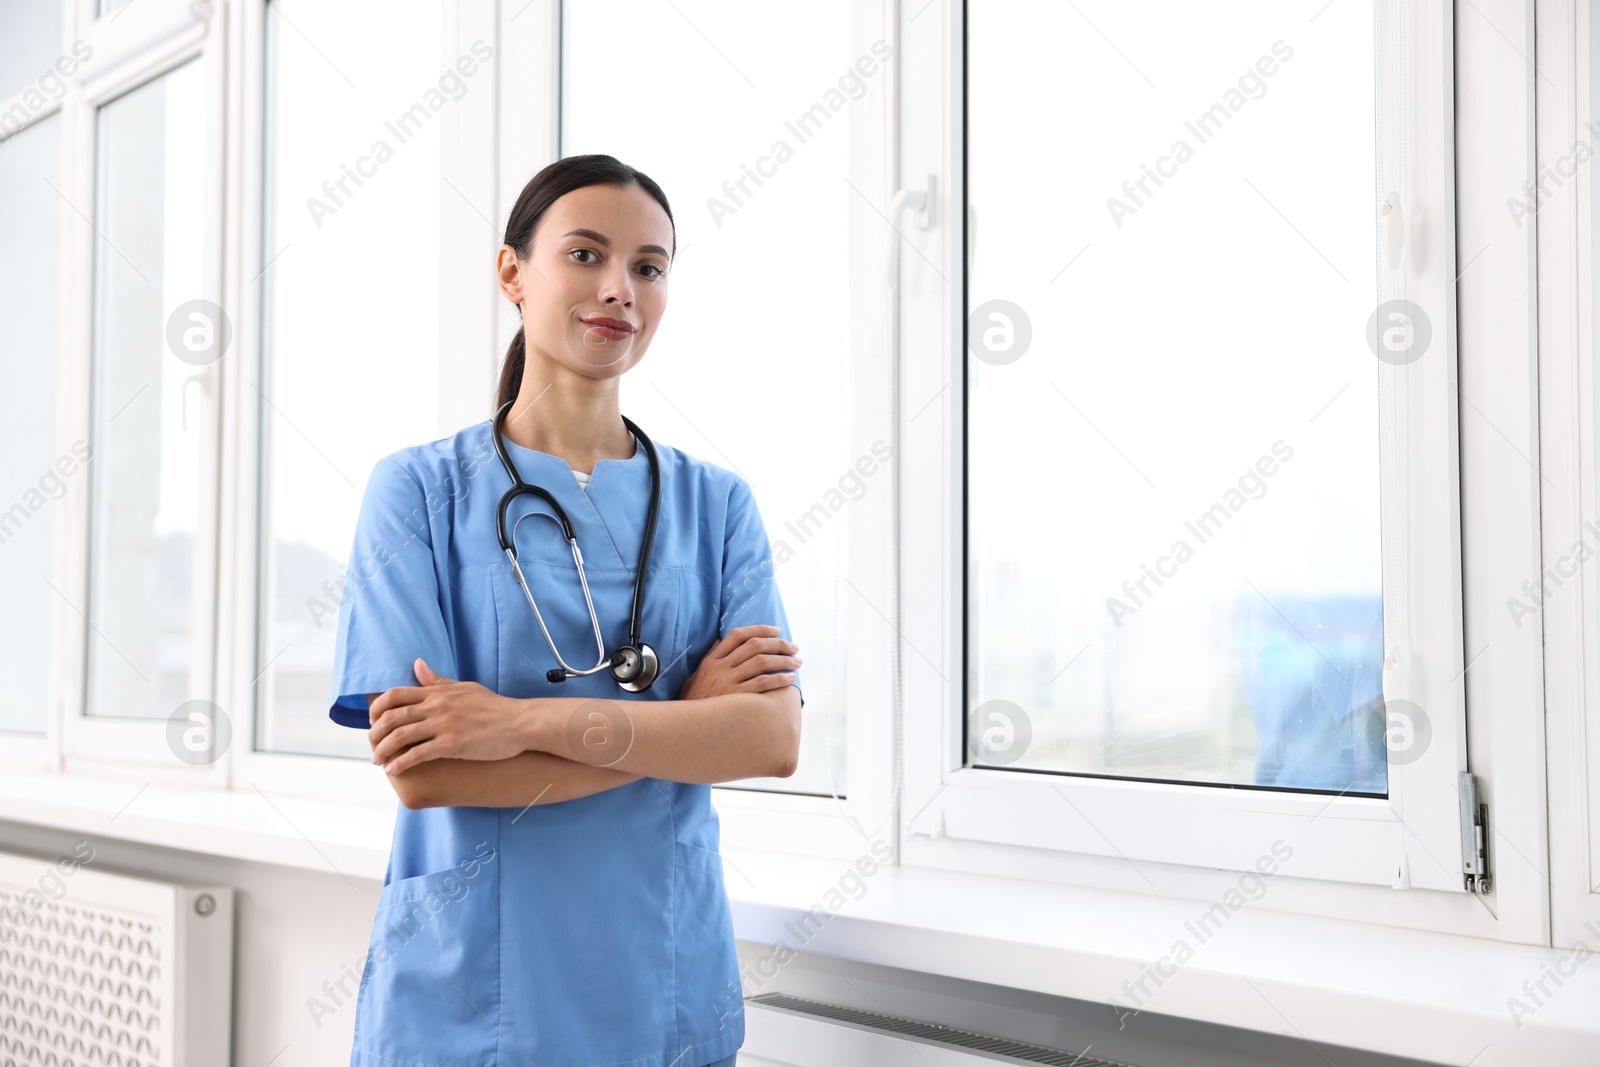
{"type": "Point", "coordinates": [611, 329]}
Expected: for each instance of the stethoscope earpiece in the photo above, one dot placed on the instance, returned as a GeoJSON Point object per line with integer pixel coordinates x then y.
{"type": "Point", "coordinates": [634, 665]}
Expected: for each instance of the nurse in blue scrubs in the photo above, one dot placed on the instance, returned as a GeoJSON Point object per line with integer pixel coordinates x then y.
{"type": "Point", "coordinates": [554, 895]}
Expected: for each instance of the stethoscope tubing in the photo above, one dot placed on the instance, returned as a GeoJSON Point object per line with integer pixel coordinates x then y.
{"type": "Point", "coordinates": [508, 543]}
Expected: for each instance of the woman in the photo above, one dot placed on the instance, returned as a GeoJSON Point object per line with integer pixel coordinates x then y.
{"type": "Point", "coordinates": [554, 895]}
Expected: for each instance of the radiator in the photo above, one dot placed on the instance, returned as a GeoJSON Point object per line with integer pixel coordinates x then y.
{"type": "Point", "coordinates": [786, 1031]}
{"type": "Point", "coordinates": [108, 970]}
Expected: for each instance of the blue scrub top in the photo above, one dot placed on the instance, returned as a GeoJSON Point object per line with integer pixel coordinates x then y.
{"type": "Point", "coordinates": [586, 933]}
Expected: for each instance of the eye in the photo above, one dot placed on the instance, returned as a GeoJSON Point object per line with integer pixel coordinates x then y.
{"type": "Point", "coordinates": [658, 271]}
{"type": "Point", "coordinates": [578, 251]}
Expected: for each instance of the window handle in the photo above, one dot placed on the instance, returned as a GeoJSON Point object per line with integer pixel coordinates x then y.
{"type": "Point", "coordinates": [198, 378]}
{"type": "Point", "coordinates": [1394, 230]}
{"type": "Point", "coordinates": [919, 201]}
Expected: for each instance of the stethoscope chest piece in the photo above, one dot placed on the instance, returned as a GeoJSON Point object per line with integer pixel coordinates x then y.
{"type": "Point", "coordinates": [635, 667]}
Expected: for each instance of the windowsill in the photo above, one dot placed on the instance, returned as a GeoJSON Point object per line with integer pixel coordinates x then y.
{"type": "Point", "coordinates": [1432, 996]}
{"type": "Point", "coordinates": [1436, 997]}
{"type": "Point", "coordinates": [342, 839]}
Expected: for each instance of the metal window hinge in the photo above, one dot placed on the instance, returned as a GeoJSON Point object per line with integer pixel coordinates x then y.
{"type": "Point", "coordinates": [1474, 835]}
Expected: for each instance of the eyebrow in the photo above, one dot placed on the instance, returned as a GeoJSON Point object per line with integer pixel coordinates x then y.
{"type": "Point", "coordinates": [601, 238]}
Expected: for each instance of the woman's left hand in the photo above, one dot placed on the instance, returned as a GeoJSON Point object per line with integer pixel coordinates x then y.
{"type": "Point", "coordinates": [441, 718]}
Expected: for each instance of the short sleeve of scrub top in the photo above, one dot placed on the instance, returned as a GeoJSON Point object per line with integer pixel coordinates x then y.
{"type": "Point", "coordinates": [390, 613]}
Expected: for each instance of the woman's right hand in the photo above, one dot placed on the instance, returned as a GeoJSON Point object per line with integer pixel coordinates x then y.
{"type": "Point", "coordinates": [741, 662]}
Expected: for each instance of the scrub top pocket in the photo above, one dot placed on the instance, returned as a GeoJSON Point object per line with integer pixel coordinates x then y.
{"type": "Point", "coordinates": [435, 942]}
{"type": "Point", "coordinates": [708, 998]}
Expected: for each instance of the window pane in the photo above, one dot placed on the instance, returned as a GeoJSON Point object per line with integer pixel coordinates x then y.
{"type": "Point", "coordinates": [30, 481]}
{"type": "Point", "coordinates": [752, 253]}
{"type": "Point", "coordinates": [1174, 567]}
{"type": "Point", "coordinates": [29, 47]}
{"type": "Point", "coordinates": [147, 417]}
{"type": "Point", "coordinates": [350, 321]}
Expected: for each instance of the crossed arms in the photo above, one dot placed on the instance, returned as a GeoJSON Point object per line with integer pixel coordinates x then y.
{"type": "Point", "coordinates": [457, 743]}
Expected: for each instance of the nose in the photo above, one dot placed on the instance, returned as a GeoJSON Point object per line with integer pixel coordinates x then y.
{"type": "Point", "coordinates": [617, 287]}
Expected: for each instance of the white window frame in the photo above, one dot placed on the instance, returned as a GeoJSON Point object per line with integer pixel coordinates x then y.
{"type": "Point", "coordinates": [131, 48]}
{"type": "Point", "coordinates": [1121, 833]}
{"type": "Point", "coordinates": [764, 819]}
{"type": "Point", "coordinates": [468, 163]}
{"type": "Point", "coordinates": [1570, 625]}
{"type": "Point", "coordinates": [495, 147]}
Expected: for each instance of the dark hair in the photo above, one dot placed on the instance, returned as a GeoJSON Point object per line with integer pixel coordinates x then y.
{"type": "Point", "coordinates": [545, 188]}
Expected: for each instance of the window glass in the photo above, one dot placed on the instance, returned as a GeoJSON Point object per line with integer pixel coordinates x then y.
{"type": "Point", "coordinates": [1173, 424]}
{"type": "Point", "coordinates": [749, 370]}
{"type": "Point", "coordinates": [34, 469]}
{"type": "Point", "coordinates": [148, 420]}
{"type": "Point", "coordinates": [350, 321]}
{"type": "Point", "coordinates": [29, 48]}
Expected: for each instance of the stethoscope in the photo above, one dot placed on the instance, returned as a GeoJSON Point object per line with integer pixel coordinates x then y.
{"type": "Point", "coordinates": [634, 665]}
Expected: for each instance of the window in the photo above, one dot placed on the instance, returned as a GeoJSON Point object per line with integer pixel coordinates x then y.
{"type": "Point", "coordinates": [350, 350]}
{"type": "Point", "coordinates": [36, 476]}
{"type": "Point", "coordinates": [153, 332]}
{"type": "Point", "coordinates": [146, 341]}
{"type": "Point", "coordinates": [751, 368]}
{"type": "Point", "coordinates": [1147, 328]}
{"type": "Point", "coordinates": [1172, 519]}
{"type": "Point", "coordinates": [27, 50]}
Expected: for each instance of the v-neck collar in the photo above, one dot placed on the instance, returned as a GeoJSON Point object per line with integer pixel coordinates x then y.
{"type": "Point", "coordinates": [523, 457]}
{"type": "Point", "coordinates": [555, 474]}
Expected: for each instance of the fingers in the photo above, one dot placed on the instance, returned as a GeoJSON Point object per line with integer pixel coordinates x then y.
{"type": "Point", "coordinates": [761, 655]}
{"type": "Point", "coordinates": [428, 676]}
{"type": "Point", "coordinates": [739, 635]}
{"type": "Point", "coordinates": [759, 665]}
{"type": "Point", "coordinates": [413, 756]}
{"type": "Point", "coordinates": [763, 683]}
{"type": "Point", "coordinates": [762, 646]}
{"type": "Point", "coordinates": [391, 718]}
{"type": "Point", "coordinates": [399, 696]}
{"type": "Point", "coordinates": [396, 739]}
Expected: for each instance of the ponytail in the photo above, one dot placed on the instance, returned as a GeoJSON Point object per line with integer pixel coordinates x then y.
{"type": "Point", "coordinates": [511, 371]}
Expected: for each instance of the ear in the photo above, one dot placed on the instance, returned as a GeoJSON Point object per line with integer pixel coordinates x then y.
{"type": "Point", "coordinates": [510, 275]}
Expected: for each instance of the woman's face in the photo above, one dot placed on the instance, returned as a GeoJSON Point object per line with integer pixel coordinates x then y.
{"type": "Point", "coordinates": [594, 285]}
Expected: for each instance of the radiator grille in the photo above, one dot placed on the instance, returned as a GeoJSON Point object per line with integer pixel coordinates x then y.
{"type": "Point", "coordinates": [77, 985]}
{"type": "Point", "coordinates": [911, 1028]}
{"type": "Point", "coordinates": [106, 970]}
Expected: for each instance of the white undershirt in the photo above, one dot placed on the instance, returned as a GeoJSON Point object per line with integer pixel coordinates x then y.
{"type": "Point", "coordinates": [583, 479]}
